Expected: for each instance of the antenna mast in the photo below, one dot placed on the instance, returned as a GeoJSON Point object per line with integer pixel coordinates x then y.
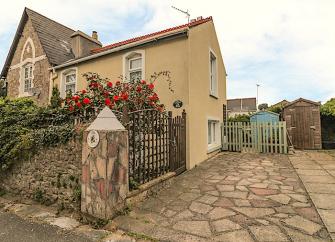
{"type": "Point", "coordinates": [184, 12]}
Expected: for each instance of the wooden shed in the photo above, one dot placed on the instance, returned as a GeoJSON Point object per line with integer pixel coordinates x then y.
{"type": "Point", "coordinates": [302, 118]}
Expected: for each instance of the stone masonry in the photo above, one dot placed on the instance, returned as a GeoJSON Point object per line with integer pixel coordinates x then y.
{"type": "Point", "coordinates": [41, 67]}
{"type": "Point", "coordinates": [232, 197]}
{"type": "Point", "coordinates": [104, 166]}
{"type": "Point", "coordinates": [52, 176]}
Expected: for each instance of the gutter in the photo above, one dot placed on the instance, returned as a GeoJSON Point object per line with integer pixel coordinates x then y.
{"type": "Point", "coordinates": [120, 48]}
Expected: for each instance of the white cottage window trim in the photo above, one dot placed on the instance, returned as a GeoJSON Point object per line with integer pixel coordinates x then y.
{"type": "Point", "coordinates": [213, 86]}
{"type": "Point", "coordinates": [132, 55]}
{"type": "Point", "coordinates": [23, 65]}
{"type": "Point", "coordinates": [215, 144]}
{"type": "Point", "coordinates": [64, 74]}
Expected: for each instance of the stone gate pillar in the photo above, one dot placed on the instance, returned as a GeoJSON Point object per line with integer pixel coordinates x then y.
{"type": "Point", "coordinates": [104, 166]}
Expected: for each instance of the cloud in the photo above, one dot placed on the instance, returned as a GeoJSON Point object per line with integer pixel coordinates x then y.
{"type": "Point", "coordinates": [288, 46]}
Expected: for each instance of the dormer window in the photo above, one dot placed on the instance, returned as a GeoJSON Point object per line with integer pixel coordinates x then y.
{"type": "Point", "coordinates": [28, 77]}
{"type": "Point", "coordinates": [134, 66]}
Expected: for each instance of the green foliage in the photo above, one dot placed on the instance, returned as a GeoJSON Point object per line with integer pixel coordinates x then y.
{"type": "Point", "coordinates": [275, 108]}
{"type": "Point", "coordinates": [240, 118]}
{"type": "Point", "coordinates": [25, 128]}
{"type": "Point", "coordinates": [328, 109]}
{"type": "Point", "coordinates": [55, 101]}
{"type": "Point", "coordinates": [3, 88]}
{"type": "Point", "coordinates": [39, 196]}
{"type": "Point", "coordinates": [76, 193]}
{"type": "Point", "coordinates": [133, 185]}
{"type": "Point", "coordinates": [263, 106]}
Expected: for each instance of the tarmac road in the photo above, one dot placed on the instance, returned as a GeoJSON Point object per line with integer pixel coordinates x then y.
{"type": "Point", "coordinates": [16, 229]}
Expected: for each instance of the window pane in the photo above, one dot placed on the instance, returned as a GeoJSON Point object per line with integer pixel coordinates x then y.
{"type": "Point", "coordinates": [213, 132]}
{"type": "Point", "coordinates": [70, 87]}
{"type": "Point", "coordinates": [27, 85]}
{"type": "Point", "coordinates": [135, 63]}
{"type": "Point", "coordinates": [209, 132]}
{"type": "Point", "coordinates": [213, 74]}
{"type": "Point", "coordinates": [135, 76]}
{"type": "Point", "coordinates": [70, 78]}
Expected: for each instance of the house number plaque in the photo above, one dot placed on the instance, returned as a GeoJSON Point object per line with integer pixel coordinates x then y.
{"type": "Point", "coordinates": [93, 138]}
{"type": "Point", "coordinates": [177, 104]}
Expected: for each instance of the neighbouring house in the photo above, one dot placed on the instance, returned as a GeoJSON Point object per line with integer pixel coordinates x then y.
{"type": "Point", "coordinates": [45, 54]}
{"type": "Point", "coordinates": [240, 106]}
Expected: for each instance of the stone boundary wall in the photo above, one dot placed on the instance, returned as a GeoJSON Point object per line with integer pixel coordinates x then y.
{"type": "Point", "coordinates": [51, 177]}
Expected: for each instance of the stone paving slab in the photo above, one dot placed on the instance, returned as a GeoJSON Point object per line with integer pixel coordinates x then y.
{"type": "Point", "coordinates": [320, 183]}
{"type": "Point", "coordinates": [235, 197]}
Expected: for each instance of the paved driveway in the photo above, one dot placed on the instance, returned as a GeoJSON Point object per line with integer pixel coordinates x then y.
{"type": "Point", "coordinates": [232, 197]}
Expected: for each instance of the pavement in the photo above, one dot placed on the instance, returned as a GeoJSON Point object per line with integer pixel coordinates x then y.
{"type": "Point", "coordinates": [15, 229]}
{"type": "Point", "coordinates": [36, 223]}
{"type": "Point", "coordinates": [239, 197]}
{"type": "Point", "coordinates": [317, 172]}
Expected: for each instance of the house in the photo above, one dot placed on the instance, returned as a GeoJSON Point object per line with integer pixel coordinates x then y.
{"type": "Point", "coordinates": [46, 54]}
{"type": "Point", "coordinates": [240, 106]}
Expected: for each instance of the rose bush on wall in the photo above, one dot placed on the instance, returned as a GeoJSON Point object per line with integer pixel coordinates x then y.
{"type": "Point", "coordinates": [101, 92]}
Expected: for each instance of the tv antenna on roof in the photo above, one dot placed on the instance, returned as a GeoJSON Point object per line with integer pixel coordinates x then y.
{"type": "Point", "coordinates": [184, 12]}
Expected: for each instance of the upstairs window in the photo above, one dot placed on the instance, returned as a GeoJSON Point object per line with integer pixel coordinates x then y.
{"type": "Point", "coordinates": [213, 74]}
{"type": "Point", "coordinates": [70, 82]}
{"type": "Point", "coordinates": [134, 66]}
{"type": "Point", "coordinates": [28, 77]}
{"type": "Point", "coordinates": [135, 69]}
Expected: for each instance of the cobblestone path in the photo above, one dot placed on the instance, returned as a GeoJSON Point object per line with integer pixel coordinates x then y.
{"type": "Point", "coordinates": [232, 197]}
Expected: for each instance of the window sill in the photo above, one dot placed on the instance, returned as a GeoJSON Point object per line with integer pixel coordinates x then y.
{"type": "Point", "coordinates": [214, 96]}
{"type": "Point", "coordinates": [213, 147]}
{"type": "Point", "coordinates": [25, 94]}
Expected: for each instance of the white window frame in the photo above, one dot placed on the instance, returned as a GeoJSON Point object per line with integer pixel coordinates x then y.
{"type": "Point", "coordinates": [215, 142]}
{"type": "Point", "coordinates": [213, 77]}
{"type": "Point", "coordinates": [129, 56]}
{"type": "Point", "coordinates": [29, 67]}
{"type": "Point", "coordinates": [64, 74]}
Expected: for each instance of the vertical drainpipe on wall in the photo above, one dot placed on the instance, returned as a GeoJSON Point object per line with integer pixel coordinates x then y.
{"type": "Point", "coordinates": [53, 76]}
{"type": "Point", "coordinates": [188, 110]}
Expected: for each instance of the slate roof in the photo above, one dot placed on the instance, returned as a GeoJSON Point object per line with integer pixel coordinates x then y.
{"type": "Point", "coordinates": [54, 37]}
{"type": "Point", "coordinates": [151, 35]}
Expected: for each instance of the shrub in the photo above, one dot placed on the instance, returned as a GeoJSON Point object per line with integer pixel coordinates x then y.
{"type": "Point", "coordinates": [101, 92]}
{"type": "Point", "coordinates": [328, 109]}
{"type": "Point", "coordinates": [25, 127]}
{"type": "Point", "coordinates": [240, 118]}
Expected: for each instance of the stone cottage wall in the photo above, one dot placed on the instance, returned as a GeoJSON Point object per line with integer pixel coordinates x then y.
{"type": "Point", "coordinates": [41, 66]}
{"type": "Point", "coordinates": [51, 177]}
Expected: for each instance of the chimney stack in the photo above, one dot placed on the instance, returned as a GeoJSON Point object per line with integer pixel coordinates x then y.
{"type": "Point", "coordinates": [95, 35]}
{"type": "Point", "coordinates": [199, 18]}
{"type": "Point", "coordinates": [82, 44]}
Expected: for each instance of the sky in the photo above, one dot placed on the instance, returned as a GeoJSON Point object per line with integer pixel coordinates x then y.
{"type": "Point", "coordinates": [286, 46]}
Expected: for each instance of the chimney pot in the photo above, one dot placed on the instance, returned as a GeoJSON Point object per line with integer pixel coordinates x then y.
{"type": "Point", "coordinates": [95, 35]}
{"type": "Point", "coordinates": [199, 18]}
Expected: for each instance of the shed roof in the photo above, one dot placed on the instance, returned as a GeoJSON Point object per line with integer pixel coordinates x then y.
{"type": "Point", "coordinates": [302, 100]}
{"type": "Point", "coordinates": [264, 111]}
